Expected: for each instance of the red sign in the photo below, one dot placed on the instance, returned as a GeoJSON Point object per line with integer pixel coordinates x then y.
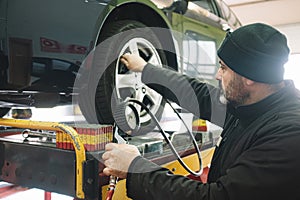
{"type": "Point", "coordinates": [49, 45]}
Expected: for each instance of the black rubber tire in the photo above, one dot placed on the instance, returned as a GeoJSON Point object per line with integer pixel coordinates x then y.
{"type": "Point", "coordinates": [100, 99]}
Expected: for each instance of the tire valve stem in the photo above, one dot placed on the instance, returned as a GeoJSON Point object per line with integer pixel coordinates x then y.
{"type": "Point", "coordinates": [111, 188]}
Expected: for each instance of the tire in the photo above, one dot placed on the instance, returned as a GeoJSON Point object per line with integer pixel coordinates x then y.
{"type": "Point", "coordinates": [117, 83]}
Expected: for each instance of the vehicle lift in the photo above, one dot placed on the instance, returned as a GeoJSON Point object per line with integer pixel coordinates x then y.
{"type": "Point", "coordinates": [72, 164]}
{"type": "Point", "coordinates": [45, 166]}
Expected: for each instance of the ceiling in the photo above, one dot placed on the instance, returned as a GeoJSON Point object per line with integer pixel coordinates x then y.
{"type": "Point", "coordinates": [274, 12]}
{"type": "Point", "coordinates": [283, 14]}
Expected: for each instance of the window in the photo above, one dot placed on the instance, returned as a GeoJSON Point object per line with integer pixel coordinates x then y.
{"type": "Point", "coordinates": [200, 56]}
{"type": "Point", "coordinates": [206, 5]}
{"type": "Point", "coordinates": [228, 15]}
{"type": "Point", "coordinates": [292, 70]}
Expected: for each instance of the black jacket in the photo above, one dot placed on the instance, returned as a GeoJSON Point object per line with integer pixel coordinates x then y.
{"type": "Point", "coordinates": [258, 157]}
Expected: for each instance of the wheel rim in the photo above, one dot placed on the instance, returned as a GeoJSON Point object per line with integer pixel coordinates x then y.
{"type": "Point", "coordinates": [129, 84]}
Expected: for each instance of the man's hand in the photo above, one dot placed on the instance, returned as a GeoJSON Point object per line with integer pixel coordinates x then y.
{"type": "Point", "coordinates": [117, 159]}
{"type": "Point", "coordinates": [133, 62]}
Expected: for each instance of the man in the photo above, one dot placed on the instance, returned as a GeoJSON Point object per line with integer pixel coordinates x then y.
{"type": "Point", "coordinates": [259, 155]}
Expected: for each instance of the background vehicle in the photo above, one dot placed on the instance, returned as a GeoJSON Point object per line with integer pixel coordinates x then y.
{"type": "Point", "coordinates": [43, 43]}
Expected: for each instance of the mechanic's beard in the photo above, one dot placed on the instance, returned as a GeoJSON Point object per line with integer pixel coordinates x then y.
{"type": "Point", "coordinates": [222, 97]}
{"type": "Point", "coordinates": [236, 94]}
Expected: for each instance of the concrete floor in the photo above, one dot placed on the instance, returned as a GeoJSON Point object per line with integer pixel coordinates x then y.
{"type": "Point", "coordinates": [29, 194]}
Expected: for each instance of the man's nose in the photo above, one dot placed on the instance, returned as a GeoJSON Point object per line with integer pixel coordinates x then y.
{"type": "Point", "coordinates": [218, 75]}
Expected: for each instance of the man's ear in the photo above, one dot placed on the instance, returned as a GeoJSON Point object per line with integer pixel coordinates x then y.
{"type": "Point", "coordinates": [248, 82]}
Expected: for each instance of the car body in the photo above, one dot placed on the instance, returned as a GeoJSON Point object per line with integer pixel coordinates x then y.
{"type": "Point", "coordinates": [44, 43]}
{"type": "Point", "coordinates": [65, 52]}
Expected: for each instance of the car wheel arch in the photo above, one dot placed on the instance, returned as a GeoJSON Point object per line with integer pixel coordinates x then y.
{"type": "Point", "coordinates": [155, 18]}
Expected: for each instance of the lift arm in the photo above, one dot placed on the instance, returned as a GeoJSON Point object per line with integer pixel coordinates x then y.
{"type": "Point", "coordinates": [54, 126]}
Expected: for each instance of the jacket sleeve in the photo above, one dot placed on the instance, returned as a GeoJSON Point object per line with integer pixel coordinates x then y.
{"type": "Point", "coordinates": [149, 181]}
{"type": "Point", "coordinates": [197, 97]}
{"type": "Point", "coordinates": [269, 169]}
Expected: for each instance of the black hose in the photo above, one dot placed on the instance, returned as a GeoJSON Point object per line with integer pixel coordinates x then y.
{"type": "Point", "coordinates": [168, 140]}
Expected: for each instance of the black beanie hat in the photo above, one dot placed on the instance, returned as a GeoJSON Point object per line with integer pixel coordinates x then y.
{"type": "Point", "coordinates": [256, 51]}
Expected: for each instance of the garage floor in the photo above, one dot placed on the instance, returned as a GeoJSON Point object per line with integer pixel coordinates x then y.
{"type": "Point", "coordinates": [8, 192]}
